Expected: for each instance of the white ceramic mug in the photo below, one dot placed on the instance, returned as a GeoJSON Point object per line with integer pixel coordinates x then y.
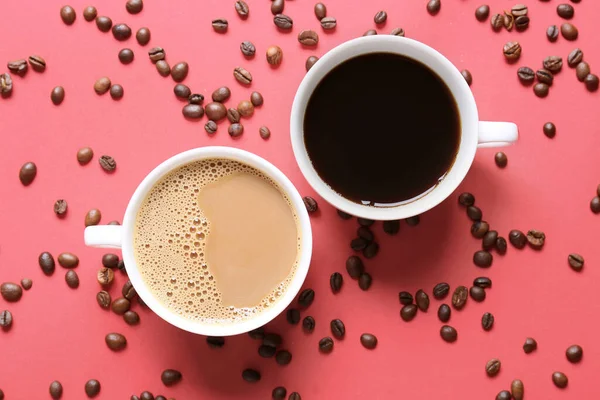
{"type": "Point", "coordinates": [474, 133]}
{"type": "Point", "coordinates": [122, 237]}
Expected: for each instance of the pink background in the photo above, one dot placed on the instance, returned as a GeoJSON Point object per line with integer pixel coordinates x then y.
{"type": "Point", "coordinates": [58, 333]}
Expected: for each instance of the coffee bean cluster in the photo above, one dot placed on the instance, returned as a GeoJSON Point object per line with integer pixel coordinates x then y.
{"type": "Point", "coordinates": [20, 67]}
{"type": "Point", "coordinates": [516, 18]}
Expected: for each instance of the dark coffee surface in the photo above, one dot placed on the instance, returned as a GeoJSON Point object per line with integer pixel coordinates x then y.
{"type": "Point", "coordinates": [381, 129]}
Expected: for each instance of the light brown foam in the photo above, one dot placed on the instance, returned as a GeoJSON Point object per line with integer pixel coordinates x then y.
{"type": "Point", "coordinates": [204, 241]}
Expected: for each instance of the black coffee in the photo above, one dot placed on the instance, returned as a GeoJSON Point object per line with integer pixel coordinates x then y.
{"type": "Point", "coordinates": [381, 129]}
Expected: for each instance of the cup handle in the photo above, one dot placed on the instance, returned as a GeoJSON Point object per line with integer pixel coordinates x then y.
{"type": "Point", "coordinates": [105, 236]}
{"type": "Point", "coordinates": [497, 134]}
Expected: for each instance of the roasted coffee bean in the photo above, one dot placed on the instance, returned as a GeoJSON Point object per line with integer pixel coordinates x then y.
{"type": "Point", "coordinates": [512, 51]}
{"type": "Point", "coordinates": [448, 333]}
{"type": "Point", "coordinates": [215, 342]}
{"type": "Point", "coordinates": [121, 265]}
{"type": "Point", "coordinates": [134, 6]}
{"type": "Point", "coordinates": [163, 68]}
{"type": "Point", "coordinates": [68, 260]}
{"type": "Point", "coordinates": [293, 316]}
{"type": "Point", "coordinates": [120, 306]}
{"type": "Point", "coordinates": [552, 33]}
{"type": "Point", "coordinates": [306, 297]}
{"type": "Point", "coordinates": [541, 90]}
{"type": "Point", "coordinates": [210, 127]}
{"type": "Point", "coordinates": [283, 22]}
{"type": "Point", "coordinates": [477, 293]}
{"type": "Point", "coordinates": [482, 282]}
{"type": "Point", "coordinates": [595, 205]}
{"type": "Point", "coordinates": [92, 388]}
{"type": "Point", "coordinates": [308, 324]}
{"type": "Point", "coordinates": [18, 67]}
{"type": "Point", "coordinates": [295, 396]}
{"type": "Point", "coordinates": [56, 388]}
{"type": "Point", "coordinates": [103, 23]}
{"type": "Point", "coordinates": [591, 82]}
{"type": "Point", "coordinates": [560, 380]}
{"type": "Point", "coordinates": [279, 393]}
{"type": "Point", "coordinates": [126, 56]}
{"type": "Point", "coordinates": [408, 312]}
{"type": "Point", "coordinates": [433, 6]}
{"type": "Point", "coordinates": [364, 281]}
{"type": "Point", "coordinates": [320, 11]}
{"type": "Point", "coordinates": [46, 262]}
{"type": "Point", "coordinates": [365, 221]}
{"type": "Point", "coordinates": [180, 71]}
{"type": "Point", "coordinates": [565, 11]}
{"type": "Point", "coordinates": [283, 357]}
{"type": "Point", "coordinates": [215, 111]}
{"type": "Point", "coordinates": [575, 57]}
{"type": "Point", "coordinates": [156, 54]}
{"type": "Point", "coordinates": [193, 111]}
{"type": "Point", "coordinates": [274, 55]}
{"type": "Point", "coordinates": [536, 239]}
{"type": "Point", "coordinates": [310, 61]}
{"type": "Point", "coordinates": [467, 75]}
{"type": "Point", "coordinates": [109, 165]}
{"type": "Point", "coordinates": [221, 94]}
{"type": "Point", "coordinates": [553, 63]}
{"type": "Point", "coordinates": [497, 22]}
{"type": "Point", "coordinates": [90, 13]}
{"type": "Point", "coordinates": [501, 159]}
{"type": "Point", "coordinates": [489, 240]}
{"type": "Point", "coordinates": [483, 259]}
{"type": "Point", "coordinates": [220, 25]}
{"type": "Point", "coordinates": [11, 292]}
{"type": "Point", "coordinates": [487, 320]}
{"type": "Point", "coordinates": [72, 279]}
{"type": "Point", "coordinates": [326, 345]}
{"type": "Point", "coordinates": [482, 13]}
{"type": "Point", "coordinates": [251, 375]}
{"type": "Point", "coordinates": [355, 267]}
{"type": "Point", "coordinates": [517, 238]}
{"type": "Point", "coordinates": [519, 10]}
{"type": "Point", "coordinates": [569, 31]}
{"type": "Point", "coordinates": [26, 283]}
{"type": "Point", "coordinates": [391, 227]}
{"type": "Point", "coordinates": [582, 70]}
{"type": "Point", "coordinates": [233, 115]}
{"type": "Point", "coordinates": [146, 395]}
{"type": "Point", "coordinates": [105, 276]}
{"type": "Point", "coordinates": [38, 64]}
{"type": "Point", "coordinates": [365, 233]}
{"type": "Point", "coordinates": [530, 345]}
{"type": "Point", "coordinates": [576, 261]}
{"type": "Point", "coordinates": [256, 99]}
{"type": "Point", "coordinates": [235, 130]}
{"type": "Point", "coordinates": [337, 328]}
{"type": "Point", "coordinates": [574, 353]}
{"type": "Point", "coordinates": [422, 300]}
{"type": "Point", "coordinates": [6, 320]}
{"type": "Point", "coordinates": [444, 313]}
{"type": "Point", "coordinates": [60, 207]}
{"type": "Point", "coordinates": [272, 339]}
{"type": "Point", "coordinates": [116, 91]}
{"type": "Point", "coordinates": [466, 199]}
{"type": "Point", "coordinates": [241, 7]}
{"type": "Point", "coordinates": [115, 341]}
{"type": "Point", "coordinates": [504, 395]}
{"type": "Point", "coordinates": [143, 36]}
{"type": "Point", "coordinates": [371, 250]}
{"type": "Point", "coordinates": [68, 15]}
{"type": "Point", "coordinates": [517, 389]}
{"type": "Point", "coordinates": [102, 85]}
{"type": "Point", "coordinates": [6, 85]}
{"type": "Point", "coordinates": [508, 20]}
{"type": "Point", "coordinates": [94, 216]}
{"type": "Point", "coordinates": [380, 17]}
{"type": "Point", "coordinates": [526, 75]}
{"type": "Point", "coordinates": [368, 340]}
{"type": "Point", "coordinates": [245, 108]}
{"type": "Point", "coordinates": [242, 75]}
{"type": "Point", "coordinates": [492, 367]}
{"type": "Point", "coordinates": [182, 91]}
{"type": "Point", "coordinates": [121, 32]}
{"type": "Point", "coordinates": [405, 298]}
{"type": "Point", "coordinates": [328, 23]}
{"type": "Point", "coordinates": [248, 49]}
{"type": "Point", "coordinates": [170, 377]}
{"type": "Point", "coordinates": [131, 318]}
{"type": "Point", "coordinates": [103, 299]}
{"type": "Point", "coordinates": [501, 245]}
{"type": "Point", "coordinates": [459, 297]}
{"type": "Point", "coordinates": [549, 129]}
{"type": "Point", "coordinates": [277, 6]}
{"type": "Point", "coordinates": [398, 32]}
{"type": "Point", "coordinates": [308, 38]}
{"type": "Point", "coordinates": [57, 95]}
{"type": "Point", "coordinates": [474, 213]}
{"type": "Point", "coordinates": [27, 173]}
{"type": "Point", "coordinates": [522, 23]}
{"type": "Point", "coordinates": [479, 229]}
{"type": "Point", "coordinates": [441, 290]}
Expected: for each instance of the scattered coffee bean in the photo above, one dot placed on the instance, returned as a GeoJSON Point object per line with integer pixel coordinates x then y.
{"type": "Point", "coordinates": [283, 357]}
{"type": "Point", "coordinates": [483, 259]}
{"type": "Point", "coordinates": [413, 221]}
{"type": "Point", "coordinates": [221, 94]}
{"type": "Point", "coordinates": [504, 395]}
{"type": "Point", "coordinates": [256, 99]}
{"type": "Point", "coordinates": [306, 297]}
{"type": "Point", "coordinates": [293, 316]}
{"type": "Point", "coordinates": [120, 306]}
{"type": "Point", "coordinates": [501, 159]}
{"type": "Point", "coordinates": [338, 329]}
{"type": "Point", "coordinates": [371, 250]}
{"type": "Point", "coordinates": [482, 282]}
{"type": "Point", "coordinates": [46, 262]}
{"type": "Point", "coordinates": [126, 56]}
{"type": "Point", "coordinates": [220, 25]}
{"type": "Point", "coordinates": [530, 345]}
{"type": "Point", "coordinates": [308, 324]}
{"type": "Point", "coordinates": [27, 173]}
{"type": "Point", "coordinates": [295, 396]}
{"type": "Point", "coordinates": [279, 393]}
{"type": "Point", "coordinates": [575, 57]}
{"type": "Point", "coordinates": [235, 130]}
{"type": "Point", "coordinates": [422, 300]}
{"type": "Point", "coordinates": [251, 375]}
{"type": "Point", "coordinates": [72, 279]}
{"type": "Point", "coordinates": [368, 340]}
{"type": "Point", "coordinates": [574, 354]}
{"type": "Point", "coordinates": [116, 91]}
{"type": "Point", "coordinates": [6, 85]}
{"type": "Point", "coordinates": [560, 380]}
{"type": "Point", "coordinates": [156, 54]}
{"type": "Point", "coordinates": [517, 389]}
{"type": "Point", "coordinates": [549, 130]}
{"type": "Point", "coordinates": [26, 283]}
{"type": "Point", "coordinates": [522, 23]}
{"type": "Point", "coordinates": [477, 293]}
{"type": "Point", "coordinates": [163, 68]}
{"type": "Point", "coordinates": [370, 32]}
{"type": "Point", "coordinates": [241, 7]}
{"type": "Point", "coordinates": [508, 21]}
{"type": "Point", "coordinates": [60, 207]}
{"type": "Point", "coordinates": [134, 6]}
{"type": "Point", "coordinates": [102, 85]}
{"type": "Point", "coordinates": [492, 367]}
{"type": "Point", "coordinates": [128, 291]}
{"type": "Point", "coordinates": [121, 32]}
{"type": "Point", "coordinates": [517, 238]}
{"type": "Point", "coordinates": [591, 82]}
{"type": "Point", "coordinates": [115, 341]}
{"type": "Point", "coordinates": [479, 229]}
{"type": "Point", "coordinates": [277, 6]}
{"type": "Point", "coordinates": [569, 31]}
{"type": "Point", "coordinates": [487, 320]}
{"type": "Point", "coordinates": [444, 313]}
{"type": "Point", "coordinates": [497, 22]}
{"type": "Point", "coordinates": [565, 11]}
{"type": "Point", "coordinates": [364, 281]}
{"type": "Point", "coordinates": [448, 333]}
{"type": "Point", "coordinates": [182, 91]}
{"type": "Point", "coordinates": [519, 10]}
{"type": "Point", "coordinates": [405, 298]}
{"type": "Point", "coordinates": [170, 377]}
{"type": "Point", "coordinates": [245, 108]}
{"type": "Point", "coordinates": [512, 51]}
{"type": "Point", "coordinates": [541, 90]}
{"type": "Point", "coordinates": [441, 290]}
{"type": "Point", "coordinates": [582, 71]}
{"type": "Point", "coordinates": [215, 111]}
{"type": "Point", "coordinates": [408, 312]}
{"type": "Point", "coordinates": [210, 127]}
{"type": "Point", "coordinates": [68, 15]}
{"type": "Point", "coordinates": [364, 221]}
{"type": "Point", "coordinates": [103, 299]}
{"type": "Point", "coordinates": [272, 339]}
{"type": "Point", "coordinates": [466, 199]}
{"type": "Point", "coordinates": [18, 67]}
{"type": "Point", "coordinates": [56, 389]}
{"type": "Point", "coordinates": [380, 17]}
{"type": "Point", "coordinates": [308, 38]}
{"type": "Point", "coordinates": [11, 292]}
{"type": "Point", "coordinates": [90, 13]}
{"type": "Point", "coordinates": [215, 342]}
{"type": "Point", "coordinates": [93, 216]}
{"type": "Point", "coordinates": [326, 345]}
{"type": "Point", "coordinates": [180, 71]}
{"type": "Point", "coordinates": [320, 11]}
{"type": "Point", "coordinates": [536, 239]}
{"type": "Point", "coordinates": [544, 76]}
{"type": "Point", "coordinates": [103, 23]}
{"type": "Point", "coordinates": [192, 111]}
{"type": "Point", "coordinates": [398, 32]}
{"type": "Point", "coordinates": [105, 276]}
{"type": "Point", "coordinates": [391, 227]}
{"type": "Point", "coordinates": [143, 36]}
{"type": "Point", "coordinates": [310, 61]}
{"type": "Point", "coordinates": [552, 33]}
{"type": "Point", "coordinates": [242, 75]}
{"type": "Point", "coordinates": [283, 22]}
{"type": "Point", "coordinates": [595, 205]}
{"type": "Point", "coordinates": [459, 297]}
{"type": "Point", "coordinates": [248, 49]}
{"type": "Point", "coordinates": [433, 6]}
{"type": "Point", "coordinates": [328, 23]}
{"type": "Point", "coordinates": [501, 245]}
{"type": "Point", "coordinates": [482, 13]}
{"type": "Point", "coordinates": [553, 63]}
{"type": "Point", "coordinates": [576, 262]}
{"type": "Point", "coordinates": [474, 213]}
{"type": "Point", "coordinates": [146, 396]}
{"type": "Point", "coordinates": [489, 240]}
{"type": "Point", "coordinates": [92, 388]}
{"type": "Point", "coordinates": [6, 320]}
{"type": "Point", "coordinates": [68, 260]}
{"type": "Point", "coordinates": [38, 64]}
{"type": "Point", "coordinates": [355, 267]}
{"type": "Point", "coordinates": [467, 75]}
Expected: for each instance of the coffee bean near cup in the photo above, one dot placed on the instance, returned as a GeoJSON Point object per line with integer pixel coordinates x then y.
{"type": "Point", "coordinates": [386, 128]}
{"type": "Point", "coordinates": [216, 241]}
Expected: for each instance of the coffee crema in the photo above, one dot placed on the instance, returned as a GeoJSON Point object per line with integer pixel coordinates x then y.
{"type": "Point", "coordinates": [217, 241]}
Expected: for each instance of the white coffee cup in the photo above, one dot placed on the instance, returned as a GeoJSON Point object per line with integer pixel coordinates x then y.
{"type": "Point", "coordinates": [122, 237]}
{"type": "Point", "coordinates": [474, 133]}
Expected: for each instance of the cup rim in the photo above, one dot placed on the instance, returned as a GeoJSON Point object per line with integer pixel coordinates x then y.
{"type": "Point", "coordinates": [269, 170]}
{"type": "Point", "coordinates": [457, 85]}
